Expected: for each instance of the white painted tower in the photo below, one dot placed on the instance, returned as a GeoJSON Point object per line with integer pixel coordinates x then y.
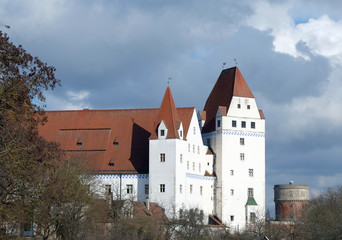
{"type": "Point", "coordinates": [234, 128]}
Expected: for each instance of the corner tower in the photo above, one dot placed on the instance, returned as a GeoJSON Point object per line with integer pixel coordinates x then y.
{"type": "Point", "coordinates": [234, 128]}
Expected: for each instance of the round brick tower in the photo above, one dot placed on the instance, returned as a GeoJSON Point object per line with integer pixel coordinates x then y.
{"type": "Point", "coordinates": [290, 201]}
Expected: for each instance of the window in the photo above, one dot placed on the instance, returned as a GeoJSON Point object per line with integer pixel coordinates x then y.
{"type": "Point", "coordinates": [243, 124]}
{"type": "Point", "coordinates": [190, 188]}
{"type": "Point", "coordinates": [79, 143]}
{"type": "Point", "coordinates": [252, 216]}
{"type": "Point", "coordinates": [181, 133]}
{"type": "Point", "coordinates": [218, 123]}
{"type": "Point", "coordinates": [253, 125]}
{"type": "Point", "coordinates": [187, 165]}
{"type": "Point", "coordinates": [239, 105]}
{"type": "Point", "coordinates": [291, 214]}
{"type": "Point", "coordinates": [181, 158]}
{"type": "Point", "coordinates": [248, 106]}
{"type": "Point", "coordinates": [208, 141]}
{"type": "Point", "coordinates": [162, 132]}
{"type": "Point", "coordinates": [146, 188]}
{"type": "Point", "coordinates": [232, 192]}
{"type": "Point", "coordinates": [251, 172]}
{"type": "Point", "coordinates": [194, 130]}
{"type": "Point", "coordinates": [181, 188]}
{"type": "Point", "coordinates": [162, 157]}
{"type": "Point", "coordinates": [242, 141]}
{"type": "Point", "coordinates": [250, 192]}
{"type": "Point", "coordinates": [198, 149]}
{"type": "Point", "coordinates": [242, 156]}
{"type": "Point", "coordinates": [162, 187]}
{"type": "Point", "coordinates": [193, 166]}
{"type": "Point", "coordinates": [231, 218]}
{"type": "Point", "coordinates": [199, 167]}
{"type": "Point", "coordinates": [193, 148]}
{"type": "Point", "coordinates": [189, 147]}
{"type": "Point", "coordinates": [129, 188]}
{"type": "Point", "coordinates": [233, 123]}
{"type": "Point", "coordinates": [116, 143]}
{"type": "Point", "coordinates": [201, 190]}
{"type": "Point", "coordinates": [108, 188]}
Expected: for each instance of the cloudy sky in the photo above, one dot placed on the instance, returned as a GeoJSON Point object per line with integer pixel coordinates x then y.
{"type": "Point", "coordinates": [120, 54]}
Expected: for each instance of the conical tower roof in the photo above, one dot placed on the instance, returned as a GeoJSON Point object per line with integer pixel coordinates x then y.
{"type": "Point", "coordinates": [168, 114]}
{"type": "Point", "coordinates": [230, 83]}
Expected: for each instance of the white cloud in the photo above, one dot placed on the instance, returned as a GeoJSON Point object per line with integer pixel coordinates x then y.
{"type": "Point", "coordinates": [77, 96]}
{"type": "Point", "coordinates": [74, 101]}
{"type": "Point", "coordinates": [329, 181]}
{"type": "Point", "coordinates": [322, 36]}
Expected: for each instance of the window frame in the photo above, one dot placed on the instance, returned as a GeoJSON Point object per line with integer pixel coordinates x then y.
{"type": "Point", "coordinates": [243, 124]}
{"type": "Point", "coordinates": [234, 123]}
{"type": "Point", "coordinates": [162, 188]}
{"type": "Point", "coordinates": [242, 141]}
{"type": "Point", "coordinates": [162, 157]}
{"type": "Point", "coordinates": [252, 125]}
{"type": "Point", "coordinates": [251, 172]}
{"type": "Point", "coordinates": [250, 192]}
{"type": "Point", "coordinates": [129, 188]}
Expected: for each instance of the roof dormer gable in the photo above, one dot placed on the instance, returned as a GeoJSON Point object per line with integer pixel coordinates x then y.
{"type": "Point", "coordinates": [162, 130]}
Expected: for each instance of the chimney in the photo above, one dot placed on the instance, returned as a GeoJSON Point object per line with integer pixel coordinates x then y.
{"type": "Point", "coordinates": [147, 203]}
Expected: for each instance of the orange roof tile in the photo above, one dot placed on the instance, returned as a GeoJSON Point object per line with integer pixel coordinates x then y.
{"type": "Point", "coordinates": [261, 113]}
{"type": "Point", "coordinates": [223, 110]}
{"type": "Point", "coordinates": [230, 83]}
{"type": "Point", "coordinates": [203, 115]}
{"type": "Point", "coordinates": [168, 114]}
{"type": "Point", "coordinates": [99, 137]}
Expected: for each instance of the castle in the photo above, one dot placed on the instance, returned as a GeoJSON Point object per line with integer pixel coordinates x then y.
{"type": "Point", "coordinates": [180, 158]}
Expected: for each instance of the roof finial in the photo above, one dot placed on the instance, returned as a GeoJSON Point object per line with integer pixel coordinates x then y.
{"type": "Point", "coordinates": [235, 60]}
{"type": "Point", "coordinates": [168, 82]}
{"type": "Point", "coordinates": [223, 64]}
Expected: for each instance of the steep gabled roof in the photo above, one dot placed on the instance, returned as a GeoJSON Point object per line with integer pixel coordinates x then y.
{"type": "Point", "coordinates": [168, 113]}
{"type": "Point", "coordinates": [230, 83]}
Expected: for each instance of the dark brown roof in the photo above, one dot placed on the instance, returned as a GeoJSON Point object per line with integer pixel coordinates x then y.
{"type": "Point", "coordinates": [108, 140]}
{"type": "Point", "coordinates": [230, 83]}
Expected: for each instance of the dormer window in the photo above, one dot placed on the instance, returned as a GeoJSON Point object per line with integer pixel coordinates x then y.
{"type": "Point", "coordinates": [218, 123]}
{"type": "Point", "coordinates": [248, 106]}
{"type": "Point", "coordinates": [116, 143]}
{"type": "Point", "coordinates": [162, 132]}
{"type": "Point", "coordinates": [79, 143]}
{"type": "Point", "coordinates": [239, 105]}
{"type": "Point", "coordinates": [181, 133]}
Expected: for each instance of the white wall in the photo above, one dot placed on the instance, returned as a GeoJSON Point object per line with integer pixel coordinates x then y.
{"type": "Point", "coordinates": [225, 142]}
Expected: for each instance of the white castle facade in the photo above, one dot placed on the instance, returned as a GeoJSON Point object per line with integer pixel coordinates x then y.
{"type": "Point", "coordinates": [213, 160]}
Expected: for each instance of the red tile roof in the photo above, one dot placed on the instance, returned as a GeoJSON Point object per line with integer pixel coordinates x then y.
{"type": "Point", "coordinates": [168, 114]}
{"type": "Point", "coordinates": [154, 211]}
{"type": "Point", "coordinates": [202, 115]}
{"type": "Point", "coordinates": [230, 83]}
{"type": "Point", "coordinates": [100, 137]}
{"type": "Point", "coordinates": [261, 113]}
